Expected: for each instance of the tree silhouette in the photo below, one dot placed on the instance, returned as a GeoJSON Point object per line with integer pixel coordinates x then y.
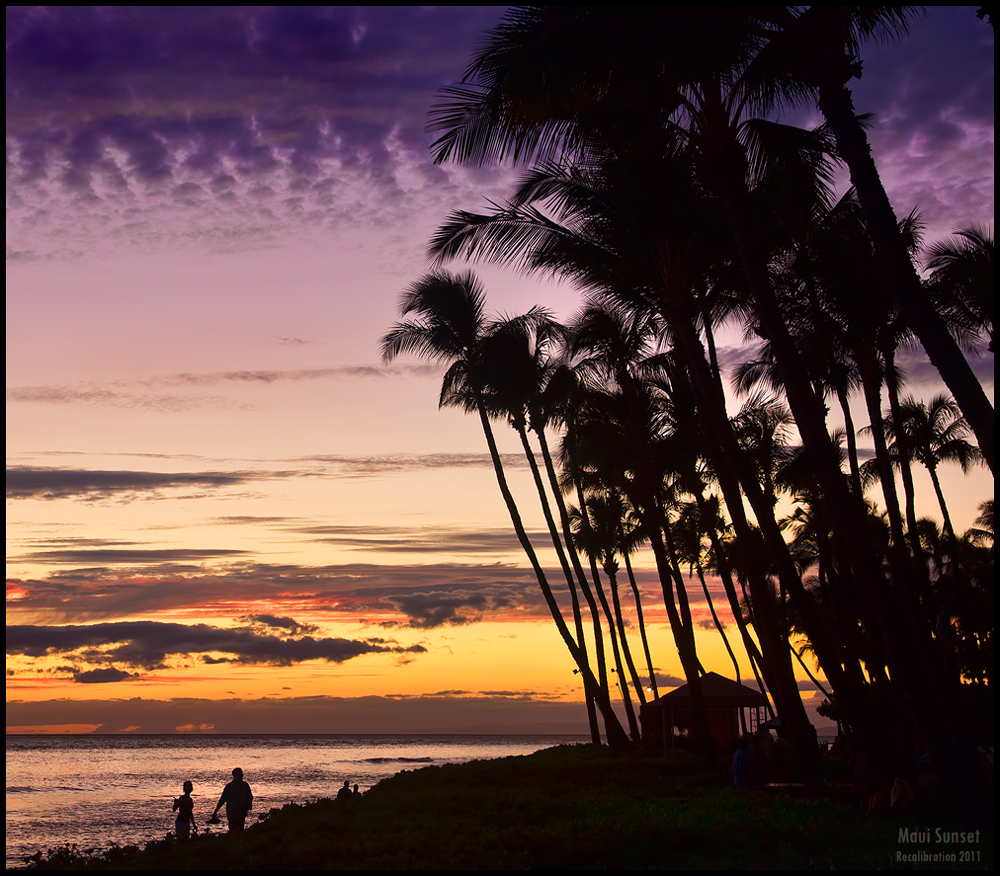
{"type": "Point", "coordinates": [448, 327]}
{"type": "Point", "coordinates": [935, 433]}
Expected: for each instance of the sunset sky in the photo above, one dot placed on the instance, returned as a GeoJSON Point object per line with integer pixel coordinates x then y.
{"type": "Point", "coordinates": [223, 512]}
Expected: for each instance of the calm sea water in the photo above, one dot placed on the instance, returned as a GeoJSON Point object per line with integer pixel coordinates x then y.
{"type": "Point", "coordinates": [93, 791]}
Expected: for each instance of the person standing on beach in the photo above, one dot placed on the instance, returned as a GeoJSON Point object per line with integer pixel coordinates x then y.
{"type": "Point", "coordinates": [184, 807]}
{"type": "Point", "coordinates": [238, 799]}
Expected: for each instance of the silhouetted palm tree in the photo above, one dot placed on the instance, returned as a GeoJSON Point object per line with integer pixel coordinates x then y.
{"type": "Point", "coordinates": [448, 327]}
{"type": "Point", "coordinates": [550, 83]}
{"type": "Point", "coordinates": [608, 232]}
{"type": "Point", "coordinates": [936, 433]}
{"type": "Point", "coordinates": [962, 279]}
{"type": "Point", "coordinates": [820, 45]}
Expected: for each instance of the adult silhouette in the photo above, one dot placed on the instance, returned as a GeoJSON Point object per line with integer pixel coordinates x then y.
{"type": "Point", "coordinates": [238, 799]}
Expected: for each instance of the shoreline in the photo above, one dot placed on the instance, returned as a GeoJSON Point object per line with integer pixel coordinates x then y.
{"type": "Point", "coordinates": [576, 807]}
{"type": "Point", "coordinates": [95, 791]}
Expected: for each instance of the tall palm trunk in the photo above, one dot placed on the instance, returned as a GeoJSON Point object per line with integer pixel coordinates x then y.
{"type": "Point", "coordinates": [570, 583]}
{"type": "Point", "coordinates": [641, 623]}
{"type": "Point", "coordinates": [614, 625]}
{"type": "Point", "coordinates": [737, 478]}
{"type": "Point", "coordinates": [837, 105]}
{"type": "Point", "coordinates": [715, 618]}
{"type": "Point", "coordinates": [574, 554]}
{"type": "Point", "coordinates": [657, 526]}
{"type": "Point", "coordinates": [852, 439]}
{"type": "Point", "coordinates": [616, 735]}
{"type": "Point", "coordinates": [611, 571]}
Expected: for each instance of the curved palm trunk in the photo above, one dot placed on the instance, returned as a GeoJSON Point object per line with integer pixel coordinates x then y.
{"type": "Point", "coordinates": [852, 440]}
{"type": "Point", "coordinates": [872, 383]}
{"type": "Point", "coordinates": [668, 571]}
{"type": "Point", "coordinates": [687, 621]}
{"type": "Point", "coordinates": [808, 672]}
{"type": "Point", "coordinates": [616, 650]}
{"type": "Point", "coordinates": [616, 735]}
{"type": "Point", "coordinates": [642, 624]}
{"type": "Point", "coordinates": [570, 583]}
{"type": "Point", "coordinates": [609, 570]}
{"type": "Point", "coordinates": [837, 105]}
{"type": "Point", "coordinates": [948, 528]}
{"type": "Point", "coordinates": [574, 554]}
{"type": "Point", "coordinates": [716, 621]}
{"type": "Point", "coordinates": [623, 683]}
{"type": "Point", "coordinates": [904, 454]}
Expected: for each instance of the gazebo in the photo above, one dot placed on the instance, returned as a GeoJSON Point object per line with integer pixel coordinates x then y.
{"type": "Point", "coordinates": [723, 701]}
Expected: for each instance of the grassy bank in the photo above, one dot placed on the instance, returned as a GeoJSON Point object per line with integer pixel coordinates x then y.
{"type": "Point", "coordinates": [565, 808]}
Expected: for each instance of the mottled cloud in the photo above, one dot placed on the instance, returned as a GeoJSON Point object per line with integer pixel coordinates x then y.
{"type": "Point", "coordinates": [224, 127]}
{"type": "Point", "coordinates": [933, 130]}
{"type": "Point", "coordinates": [147, 645]}
{"type": "Point", "coordinates": [219, 126]}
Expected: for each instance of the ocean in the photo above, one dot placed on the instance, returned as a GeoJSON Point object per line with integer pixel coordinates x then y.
{"type": "Point", "coordinates": [95, 791]}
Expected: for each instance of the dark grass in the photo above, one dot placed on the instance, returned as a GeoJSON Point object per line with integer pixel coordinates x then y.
{"type": "Point", "coordinates": [574, 807]}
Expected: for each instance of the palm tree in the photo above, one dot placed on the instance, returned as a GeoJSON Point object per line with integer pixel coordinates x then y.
{"type": "Point", "coordinates": [689, 535]}
{"type": "Point", "coordinates": [962, 280]}
{"type": "Point", "coordinates": [596, 528]}
{"type": "Point", "coordinates": [549, 79]}
{"type": "Point", "coordinates": [983, 531]}
{"type": "Point", "coordinates": [448, 327]}
{"type": "Point", "coordinates": [599, 238]}
{"type": "Point", "coordinates": [935, 433]}
{"type": "Point", "coordinates": [820, 46]}
{"type": "Point", "coordinates": [519, 373]}
{"type": "Point", "coordinates": [514, 352]}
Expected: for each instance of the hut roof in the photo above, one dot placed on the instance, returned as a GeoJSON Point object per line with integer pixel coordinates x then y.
{"type": "Point", "coordinates": [718, 692]}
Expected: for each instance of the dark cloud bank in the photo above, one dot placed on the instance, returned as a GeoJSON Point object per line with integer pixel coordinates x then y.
{"type": "Point", "coordinates": [26, 482]}
{"type": "Point", "coordinates": [42, 482]}
{"type": "Point", "coordinates": [146, 645]}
